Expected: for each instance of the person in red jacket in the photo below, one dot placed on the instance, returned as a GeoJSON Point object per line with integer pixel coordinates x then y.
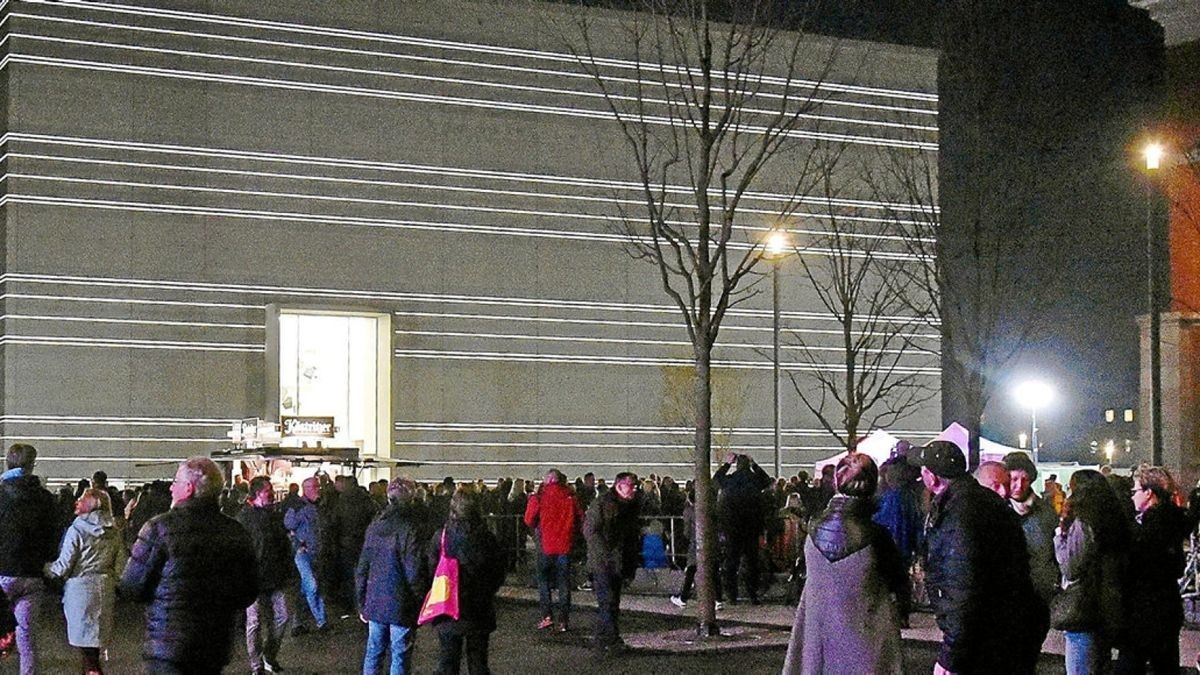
{"type": "Point", "coordinates": [554, 512]}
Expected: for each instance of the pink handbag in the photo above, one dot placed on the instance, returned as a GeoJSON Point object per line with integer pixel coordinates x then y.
{"type": "Point", "coordinates": [442, 599]}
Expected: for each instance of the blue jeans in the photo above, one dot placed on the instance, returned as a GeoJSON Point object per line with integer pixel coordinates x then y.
{"type": "Point", "coordinates": [1087, 654]}
{"type": "Point", "coordinates": [308, 587]}
{"type": "Point", "coordinates": [381, 637]}
{"type": "Point", "coordinates": [555, 571]}
{"type": "Point", "coordinates": [266, 618]}
{"type": "Point", "coordinates": [25, 598]}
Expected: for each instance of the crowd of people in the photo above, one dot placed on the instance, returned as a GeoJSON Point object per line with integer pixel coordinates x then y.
{"type": "Point", "coordinates": [998, 564]}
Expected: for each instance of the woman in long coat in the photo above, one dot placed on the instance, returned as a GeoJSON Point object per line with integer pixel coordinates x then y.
{"type": "Point", "coordinates": [90, 560]}
{"type": "Point", "coordinates": [849, 616]}
{"type": "Point", "coordinates": [482, 565]}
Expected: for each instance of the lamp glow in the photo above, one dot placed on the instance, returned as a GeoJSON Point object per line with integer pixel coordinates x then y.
{"type": "Point", "coordinates": [776, 244]}
{"type": "Point", "coordinates": [1154, 153]}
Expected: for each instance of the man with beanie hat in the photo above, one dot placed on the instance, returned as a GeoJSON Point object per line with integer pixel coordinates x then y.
{"type": "Point", "coordinates": [977, 571]}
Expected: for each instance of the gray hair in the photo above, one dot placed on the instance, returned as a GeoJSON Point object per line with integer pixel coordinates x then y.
{"type": "Point", "coordinates": [401, 489]}
{"type": "Point", "coordinates": [204, 475]}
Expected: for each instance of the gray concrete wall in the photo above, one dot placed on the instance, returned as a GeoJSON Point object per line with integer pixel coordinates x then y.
{"type": "Point", "coordinates": [175, 167]}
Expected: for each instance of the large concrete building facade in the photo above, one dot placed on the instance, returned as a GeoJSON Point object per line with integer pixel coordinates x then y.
{"type": "Point", "coordinates": [398, 214]}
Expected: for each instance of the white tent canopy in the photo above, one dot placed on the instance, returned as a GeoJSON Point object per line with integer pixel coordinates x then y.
{"type": "Point", "coordinates": [878, 445]}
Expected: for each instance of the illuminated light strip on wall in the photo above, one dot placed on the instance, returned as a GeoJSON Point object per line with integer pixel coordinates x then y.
{"type": "Point", "coordinates": [132, 439]}
{"type": "Point", "coordinates": [468, 427]}
{"type": "Point", "coordinates": [458, 172]}
{"type": "Point", "coordinates": [582, 446]}
{"type": "Point", "coordinates": [574, 339]}
{"type": "Point", "coordinates": [136, 322]}
{"type": "Point", "coordinates": [573, 217]}
{"type": "Point", "coordinates": [486, 104]}
{"type": "Point", "coordinates": [590, 359]}
{"type": "Point", "coordinates": [417, 58]}
{"type": "Point", "coordinates": [128, 344]}
{"type": "Point", "coordinates": [117, 421]}
{"type": "Point", "coordinates": [449, 45]}
{"type": "Point", "coordinates": [208, 287]}
{"type": "Point", "coordinates": [652, 324]}
{"type": "Point", "coordinates": [128, 301]}
{"type": "Point", "coordinates": [797, 216]}
{"type": "Point", "coordinates": [472, 83]}
{"type": "Point", "coordinates": [384, 223]}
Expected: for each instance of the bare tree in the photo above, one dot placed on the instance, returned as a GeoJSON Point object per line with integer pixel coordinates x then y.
{"type": "Point", "coordinates": [884, 363]}
{"type": "Point", "coordinates": [709, 112]}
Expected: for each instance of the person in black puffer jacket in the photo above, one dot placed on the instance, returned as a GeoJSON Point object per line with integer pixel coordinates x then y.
{"type": "Point", "coordinates": [273, 553]}
{"type": "Point", "coordinates": [482, 564]}
{"type": "Point", "coordinates": [1153, 608]}
{"type": "Point", "coordinates": [391, 579]}
{"type": "Point", "coordinates": [849, 616]}
{"type": "Point", "coordinates": [977, 572]}
{"type": "Point", "coordinates": [29, 531]}
{"type": "Point", "coordinates": [195, 569]}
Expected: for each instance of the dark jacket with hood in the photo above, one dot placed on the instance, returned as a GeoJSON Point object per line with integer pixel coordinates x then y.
{"type": "Point", "coordinates": [196, 570]}
{"type": "Point", "coordinates": [29, 527]}
{"type": "Point", "coordinates": [392, 576]}
{"type": "Point", "coordinates": [1153, 608]}
{"type": "Point", "coordinates": [482, 565]}
{"type": "Point", "coordinates": [272, 549]}
{"type": "Point", "coordinates": [613, 535]}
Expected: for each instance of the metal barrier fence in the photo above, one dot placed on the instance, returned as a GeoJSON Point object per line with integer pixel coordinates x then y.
{"type": "Point", "coordinates": [521, 543]}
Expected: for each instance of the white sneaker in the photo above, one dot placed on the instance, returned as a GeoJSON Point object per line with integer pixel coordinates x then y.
{"type": "Point", "coordinates": [720, 606]}
{"type": "Point", "coordinates": [678, 601]}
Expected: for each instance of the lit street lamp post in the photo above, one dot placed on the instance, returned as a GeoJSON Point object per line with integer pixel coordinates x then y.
{"type": "Point", "coordinates": [1033, 395]}
{"type": "Point", "coordinates": [774, 250]}
{"type": "Point", "coordinates": [1154, 153]}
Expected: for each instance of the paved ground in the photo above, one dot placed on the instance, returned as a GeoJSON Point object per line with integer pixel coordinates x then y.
{"type": "Point", "coordinates": [518, 648]}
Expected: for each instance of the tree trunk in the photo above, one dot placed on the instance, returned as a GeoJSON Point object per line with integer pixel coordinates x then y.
{"type": "Point", "coordinates": [705, 532]}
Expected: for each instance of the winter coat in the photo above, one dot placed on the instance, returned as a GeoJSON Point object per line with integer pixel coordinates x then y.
{"type": "Point", "coordinates": [1038, 523]}
{"type": "Point", "coordinates": [1152, 604]}
{"type": "Point", "coordinates": [352, 512]}
{"type": "Point", "coordinates": [482, 565]}
{"type": "Point", "coordinates": [303, 525]}
{"type": "Point", "coordinates": [613, 535]}
{"type": "Point", "coordinates": [555, 513]}
{"type": "Point", "coordinates": [1100, 574]}
{"type": "Point", "coordinates": [90, 559]}
{"type": "Point", "coordinates": [848, 620]}
{"type": "Point", "coordinates": [196, 570]}
{"type": "Point", "coordinates": [392, 576]}
{"type": "Point", "coordinates": [29, 527]}
{"type": "Point", "coordinates": [272, 550]}
{"type": "Point", "coordinates": [740, 506]}
{"type": "Point", "coordinates": [900, 513]}
{"type": "Point", "coordinates": [977, 576]}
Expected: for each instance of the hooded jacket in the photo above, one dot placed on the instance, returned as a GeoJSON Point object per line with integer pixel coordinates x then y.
{"type": "Point", "coordinates": [555, 512]}
{"type": "Point", "coordinates": [392, 576]}
{"type": "Point", "coordinates": [29, 526]}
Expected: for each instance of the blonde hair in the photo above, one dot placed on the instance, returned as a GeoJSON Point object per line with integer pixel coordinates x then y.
{"type": "Point", "coordinates": [94, 499]}
{"type": "Point", "coordinates": [1157, 480]}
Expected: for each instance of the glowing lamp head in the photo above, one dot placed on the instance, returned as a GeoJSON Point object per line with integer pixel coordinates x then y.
{"type": "Point", "coordinates": [1154, 153]}
{"type": "Point", "coordinates": [1034, 394]}
{"type": "Point", "coordinates": [776, 244]}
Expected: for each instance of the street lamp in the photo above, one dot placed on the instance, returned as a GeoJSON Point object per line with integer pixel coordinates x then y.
{"type": "Point", "coordinates": [1033, 395]}
{"type": "Point", "coordinates": [1154, 153]}
{"type": "Point", "coordinates": [775, 247]}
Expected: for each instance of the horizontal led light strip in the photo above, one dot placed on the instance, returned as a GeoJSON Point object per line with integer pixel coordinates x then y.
{"type": "Point", "coordinates": [573, 339]}
{"type": "Point", "coordinates": [797, 216]}
{"type": "Point", "coordinates": [135, 322]}
{"type": "Point", "coordinates": [418, 58]}
{"type": "Point", "coordinates": [478, 427]}
{"type": "Point", "coordinates": [581, 446]}
{"type": "Point", "coordinates": [472, 83]}
{"type": "Point", "coordinates": [518, 357]}
{"type": "Point", "coordinates": [117, 439]}
{"type": "Point", "coordinates": [386, 223]}
{"type": "Point", "coordinates": [614, 221]}
{"type": "Point", "coordinates": [656, 324]}
{"type": "Point", "coordinates": [449, 45]}
{"type": "Point", "coordinates": [462, 101]}
{"type": "Point", "coordinates": [207, 287]}
{"type": "Point", "coordinates": [457, 172]}
{"type": "Point", "coordinates": [118, 421]}
{"type": "Point", "coordinates": [174, 345]}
